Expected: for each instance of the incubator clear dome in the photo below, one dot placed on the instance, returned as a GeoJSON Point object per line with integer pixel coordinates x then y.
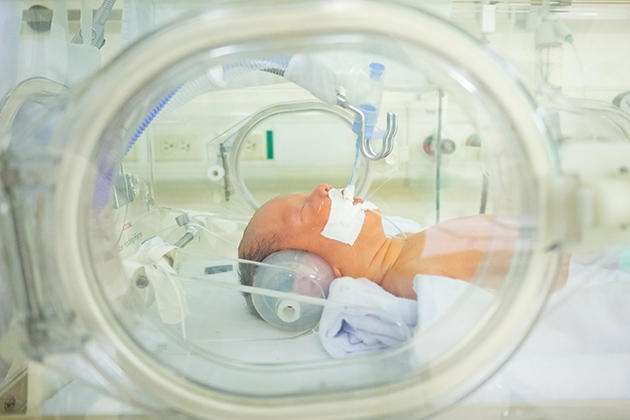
{"type": "Point", "coordinates": [134, 195]}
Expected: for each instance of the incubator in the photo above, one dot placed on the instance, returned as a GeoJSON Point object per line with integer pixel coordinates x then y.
{"type": "Point", "coordinates": [138, 139]}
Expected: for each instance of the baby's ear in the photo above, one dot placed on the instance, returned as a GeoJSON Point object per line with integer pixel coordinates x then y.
{"type": "Point", "coordinates": [337, 272]}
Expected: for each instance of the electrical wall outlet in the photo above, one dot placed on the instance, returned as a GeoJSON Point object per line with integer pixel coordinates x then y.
{"type": "Point", "coordinates": [177, 147]}
{"type": "Point", "coordinates": [255, 147]}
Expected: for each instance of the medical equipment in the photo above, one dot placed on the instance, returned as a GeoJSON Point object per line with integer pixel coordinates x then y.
{"type": "Point", "coordinates": [96, 33]}
{"type": "Point", "coordinates": [237, 141]}
{"type": "Point", "coordinates": [293, 271]}
{"type": "Point", "coordinates": [76, 204]}
{"type": "Point", "coordinates": [352, 88]}
{"type": "Point", "coordinates": [346, 218]}
{"type": "Point", "coordinates": [306, 71]}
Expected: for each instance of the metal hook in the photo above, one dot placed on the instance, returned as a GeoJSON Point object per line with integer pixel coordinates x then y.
{"type": "Point", "coordinates": [364, 142]}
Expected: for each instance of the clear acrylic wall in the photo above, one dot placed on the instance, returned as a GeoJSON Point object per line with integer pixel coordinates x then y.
{"type": "Point", "coordinates": [163, 163]}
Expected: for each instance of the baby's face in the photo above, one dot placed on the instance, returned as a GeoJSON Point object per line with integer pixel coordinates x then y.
{"type": "Point", "coordinates": [297, 213]}
{"type": "Point", "coordinates": [297, 220]}
{"type": "Point", "coordinates": [295, 217]}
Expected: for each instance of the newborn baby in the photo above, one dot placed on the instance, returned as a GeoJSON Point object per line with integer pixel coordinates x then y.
{"type": "Point", "coordinates": [455, 248]}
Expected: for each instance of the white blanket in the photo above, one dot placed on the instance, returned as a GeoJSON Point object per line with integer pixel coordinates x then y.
{"type": "Point", "coordinates": [362, 318]}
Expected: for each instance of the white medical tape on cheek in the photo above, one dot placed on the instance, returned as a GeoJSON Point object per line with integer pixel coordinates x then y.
{"type": "Point", "coordinates": [345, 219]}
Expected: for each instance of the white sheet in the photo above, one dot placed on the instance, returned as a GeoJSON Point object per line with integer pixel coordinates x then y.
{"type": "Point", "coordinates": [578, 350]}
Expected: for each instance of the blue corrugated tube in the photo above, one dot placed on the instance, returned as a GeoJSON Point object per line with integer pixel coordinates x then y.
{"type": "Point", "coordinates": [149, 119]}
{"type": "Point", "coordinates": [104, 182]}
{"type": "Point", "coordinates": [275, 65]}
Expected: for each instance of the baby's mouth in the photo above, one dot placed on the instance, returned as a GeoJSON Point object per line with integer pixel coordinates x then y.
{"type": "Point", "coordinates": [347, 214]}
{"type": "Point", "coordinates": [348, 194]}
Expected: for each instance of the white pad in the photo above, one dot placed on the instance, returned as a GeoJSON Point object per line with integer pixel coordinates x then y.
{"type": "Point", "coordinates": [151, 261]}
{"type": "Point", "coordinates": [345, 219]}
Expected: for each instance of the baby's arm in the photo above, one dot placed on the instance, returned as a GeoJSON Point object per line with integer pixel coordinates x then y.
{"type": "Point", "coordinates": [456, 248]}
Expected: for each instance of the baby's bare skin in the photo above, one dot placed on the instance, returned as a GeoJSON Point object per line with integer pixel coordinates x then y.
{"type": "Point", "coordinates": [458, 248]}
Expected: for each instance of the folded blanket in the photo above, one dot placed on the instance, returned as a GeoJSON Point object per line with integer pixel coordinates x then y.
{"type": "Point", "coordinates": [362, 318]}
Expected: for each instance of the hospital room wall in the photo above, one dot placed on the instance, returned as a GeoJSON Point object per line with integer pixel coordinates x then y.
{"type": "Point", "coordinates": [596, 65]}
{"type": "Point", "coordinates": [605, 58]}
{"type": "Point", "coordinates": [602, 71]}
{"type": "Point", "coordinates": [599, 34]}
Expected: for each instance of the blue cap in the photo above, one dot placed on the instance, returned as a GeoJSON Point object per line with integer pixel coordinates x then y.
{"type": "Point", "coordinates": [376, 71]}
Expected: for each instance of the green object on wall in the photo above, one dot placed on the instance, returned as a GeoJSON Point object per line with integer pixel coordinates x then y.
{"type": "Point", "coordinates": [269, 144]}
{"type": "Point", "coordinates": [624, 260]}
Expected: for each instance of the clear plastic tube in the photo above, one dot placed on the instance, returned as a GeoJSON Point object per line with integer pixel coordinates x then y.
{"type": "Point", "coordinates": [371, 93]}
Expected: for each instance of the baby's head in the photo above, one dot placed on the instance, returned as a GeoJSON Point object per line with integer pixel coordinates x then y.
{"type": "Point", "coordinates": [295, 222]}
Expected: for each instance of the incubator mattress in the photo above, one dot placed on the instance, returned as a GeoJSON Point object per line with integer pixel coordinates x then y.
{"type": "Point", "coordinates": [578, 351]}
